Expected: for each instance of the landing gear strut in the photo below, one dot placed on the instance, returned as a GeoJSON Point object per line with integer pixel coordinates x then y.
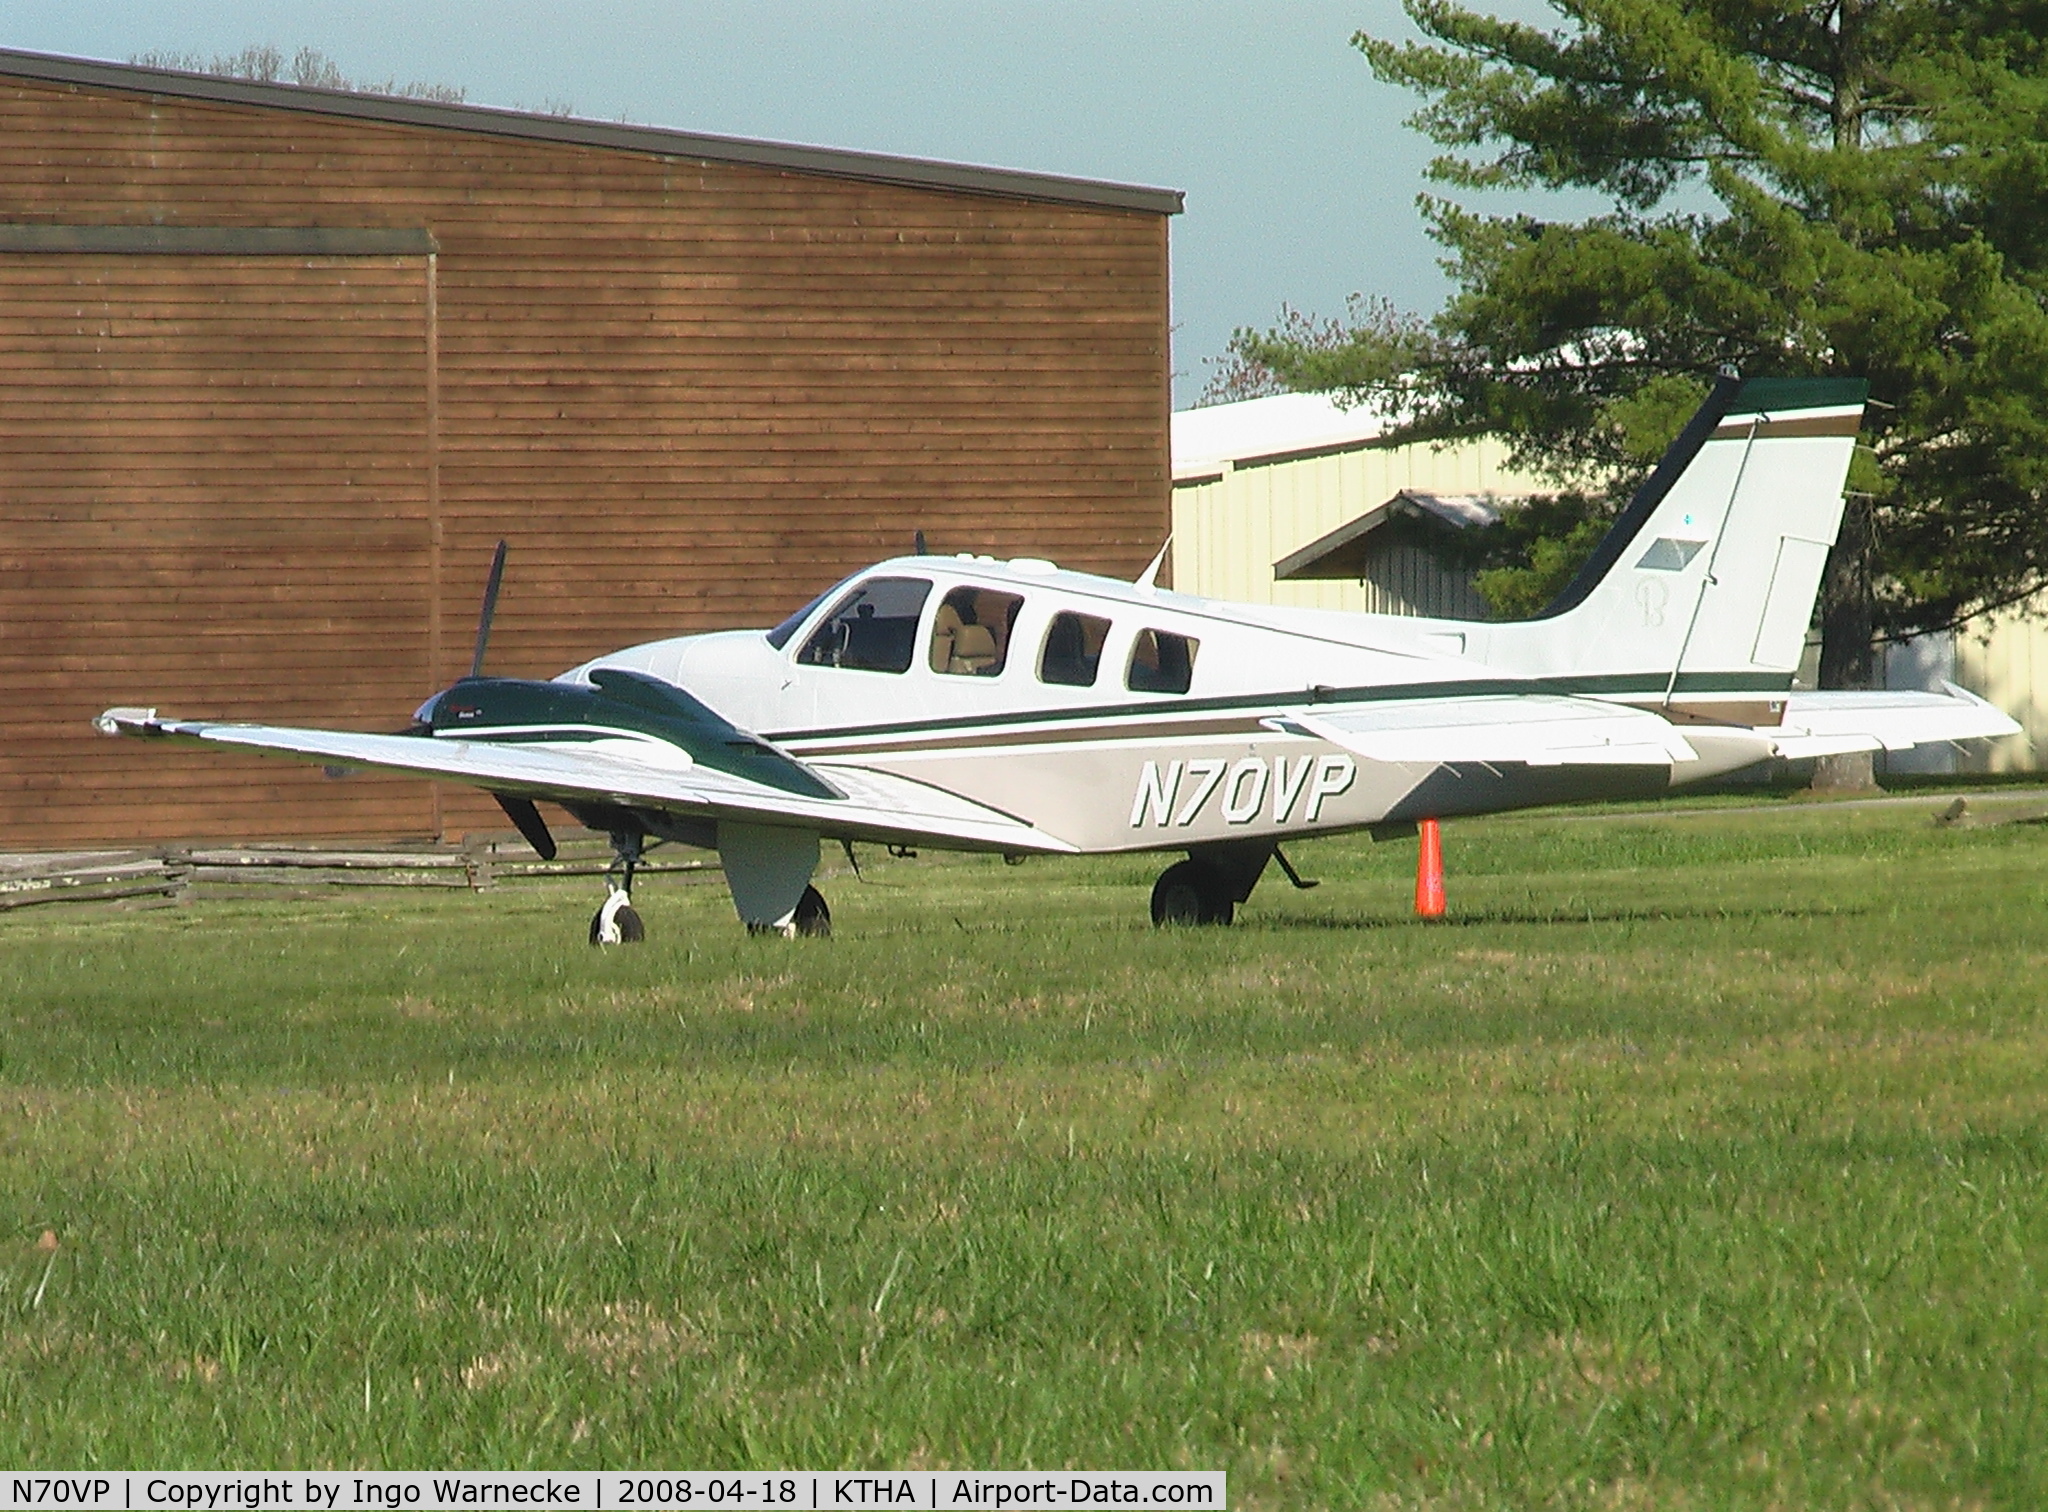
{"type": "Point", "coordinates": [618, 922]}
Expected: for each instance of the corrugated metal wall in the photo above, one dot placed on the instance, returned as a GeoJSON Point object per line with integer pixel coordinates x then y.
{"type": "Point", "coordinates": [1228, 533]}
{"type": "Point", "coordinates": [689, 393]}
{"type": "Point", "coordinates": [2004, 658]}
{"type": "Point", "coordinates": [1404, 575]}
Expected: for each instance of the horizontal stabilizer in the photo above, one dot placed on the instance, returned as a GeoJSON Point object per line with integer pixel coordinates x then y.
{"type": "Point", "coordinates": [1535, 729]}
{"type": "Point", "coordinates": [1832, 723]}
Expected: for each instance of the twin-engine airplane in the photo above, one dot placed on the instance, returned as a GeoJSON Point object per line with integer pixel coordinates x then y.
{"type": "Point", "coordinates": [972, 704]}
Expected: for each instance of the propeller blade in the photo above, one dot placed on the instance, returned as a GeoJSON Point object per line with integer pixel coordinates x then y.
{"type": "Point", "coordinates": [483, 625]}
{"type": "Point", "coordinates": [527, 820]}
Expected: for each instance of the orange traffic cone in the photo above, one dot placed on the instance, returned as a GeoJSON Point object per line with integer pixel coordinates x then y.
{"type": "Point", "coordinates": [1429, 873]}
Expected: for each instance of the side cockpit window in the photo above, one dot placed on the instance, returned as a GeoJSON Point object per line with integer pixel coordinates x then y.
{"type": "Point", "coordinates": [971, 632]}
{"type": "Point", "coordinates": [1072, 654]}
{"type": "Point", "coordinates": [872, 629]}
{"type": "Point", "coordinates": [1162, 662]}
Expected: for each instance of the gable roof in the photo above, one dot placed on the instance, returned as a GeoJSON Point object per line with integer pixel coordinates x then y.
{"type": "Point", "coordinates": [660, 141]}
{"type": "Point", "coordinates": [1343, 552]}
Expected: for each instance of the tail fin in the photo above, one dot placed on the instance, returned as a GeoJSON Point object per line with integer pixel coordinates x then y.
{"type": "Point", "coordinates": [1708, 578]}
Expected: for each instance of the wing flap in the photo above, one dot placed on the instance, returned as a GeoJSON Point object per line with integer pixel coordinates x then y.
{"type": "Point", "coordinates": [1537, 729]}
{"type": "Point", "coordinates": [877, 806]}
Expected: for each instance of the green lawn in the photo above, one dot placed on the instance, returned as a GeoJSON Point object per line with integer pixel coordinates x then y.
{"type": "Point", "coordinates": [1700, 1159]}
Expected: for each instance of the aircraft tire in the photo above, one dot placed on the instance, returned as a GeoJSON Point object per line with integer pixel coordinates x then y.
{"type": "Point", "coordinates": [625, 919]}
{"type": "Point", "coordinates": [1188, 892]}
{"type": "Point", "coordinates": [813, 919]}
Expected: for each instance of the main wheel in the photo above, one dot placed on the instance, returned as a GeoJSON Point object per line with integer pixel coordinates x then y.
{"type": "Point", "coordinates": [813, 919]}
{"type": "Point", "coordinates": [617, 923]}
{"type": "Point", "coordinates": [1188, 892]}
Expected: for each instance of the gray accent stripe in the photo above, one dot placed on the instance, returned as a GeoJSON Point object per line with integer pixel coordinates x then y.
{"type": "Point", "coordinates": [221, 241]}
{"type": "Point", "coordinates": [830, 162]}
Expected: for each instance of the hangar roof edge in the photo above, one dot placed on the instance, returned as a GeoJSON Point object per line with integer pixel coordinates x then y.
{"type": "Point", "coordinates": [488, 120]}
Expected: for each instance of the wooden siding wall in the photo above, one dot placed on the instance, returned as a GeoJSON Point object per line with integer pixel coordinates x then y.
{"type": "Point", "coordinates": [689, 395]}
{"type": "Point", "coordinates": [215, 483]}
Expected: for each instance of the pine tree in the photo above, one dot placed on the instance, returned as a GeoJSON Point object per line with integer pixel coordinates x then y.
{"type": "Point", "coordinates": [1846, 188]}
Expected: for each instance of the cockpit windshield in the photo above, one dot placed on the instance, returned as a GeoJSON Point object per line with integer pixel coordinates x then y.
{"type": "Point", "coordinates": [780, 636]}
{"type": "Point", "coordinates": [872, 629]}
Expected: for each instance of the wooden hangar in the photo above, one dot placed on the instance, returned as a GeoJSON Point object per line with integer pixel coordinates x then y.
{"type": "Point", "coordinates": [281, 365]}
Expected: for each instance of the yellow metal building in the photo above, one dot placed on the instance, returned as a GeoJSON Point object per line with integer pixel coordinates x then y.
{"type": "Point", "coordinates": [2006, 661]}
{"type": "Point", "coordinates": [1256, 482]}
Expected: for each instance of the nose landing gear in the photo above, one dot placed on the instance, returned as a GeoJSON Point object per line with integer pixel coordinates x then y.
{"type": "Point", "coordinates": [618, 922]}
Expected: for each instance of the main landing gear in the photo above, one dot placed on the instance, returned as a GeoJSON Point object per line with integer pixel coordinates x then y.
{"type": "Point", "coordinates": [1207, 887]}
{"type": "Point", "coordinates": [812, 920]}
{"type": "Point", "coordinates": [1189, 892]}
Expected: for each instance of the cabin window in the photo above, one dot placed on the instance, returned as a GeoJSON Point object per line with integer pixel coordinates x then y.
{"type": "Point", "coordinates": [1072, 654]}
{"type": "Point", "coordinates": [1161, 662]}
{"type": "Point", "coordinates": [971, 632]}
{"type": "Point", "coordinates": [872, 629]}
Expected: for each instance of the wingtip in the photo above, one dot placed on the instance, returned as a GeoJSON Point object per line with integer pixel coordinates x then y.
{"type": "Point", "coordinates": [2011, 726]}
{"type": "Point", "coordinates": [121, 720]}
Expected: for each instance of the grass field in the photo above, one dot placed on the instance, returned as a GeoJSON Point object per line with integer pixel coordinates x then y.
{"type": "Point", "coordinates": [1699, 1160]}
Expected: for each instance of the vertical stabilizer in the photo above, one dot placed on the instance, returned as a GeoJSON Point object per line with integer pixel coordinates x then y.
{"type": "Point", "coordinates": [1708, 578]}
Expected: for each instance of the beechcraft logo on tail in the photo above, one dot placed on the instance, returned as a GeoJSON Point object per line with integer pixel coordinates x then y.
{"type": "Point", "coordinates": [1177, 793]}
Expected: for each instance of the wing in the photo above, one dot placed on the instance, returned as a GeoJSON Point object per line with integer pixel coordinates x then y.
{"type": "Point", "coordinates": [1538, 729]}
{"type": "Point", "coordinates": [1837, 723]}
{"type": "Point", "coordinates": [876, 806]}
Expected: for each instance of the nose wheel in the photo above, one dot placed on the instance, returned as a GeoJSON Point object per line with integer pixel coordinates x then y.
{"type": "Point", "coordinates": [617, 922]}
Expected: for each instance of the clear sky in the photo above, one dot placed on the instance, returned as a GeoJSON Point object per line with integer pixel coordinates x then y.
{"type": "Point", "coordinates": [1299, 175]}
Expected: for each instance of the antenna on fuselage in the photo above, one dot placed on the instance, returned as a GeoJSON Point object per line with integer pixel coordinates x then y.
{"type": "Point", "coordinates": [483, 624]}
{"type": "Point", "coordinates": [1148, 580]}
{"type": "Point", "coordinates": [917, 545]}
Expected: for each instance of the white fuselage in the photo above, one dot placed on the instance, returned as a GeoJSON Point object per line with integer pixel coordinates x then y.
{"type": "Point", "coordinates": [1113, 764]}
